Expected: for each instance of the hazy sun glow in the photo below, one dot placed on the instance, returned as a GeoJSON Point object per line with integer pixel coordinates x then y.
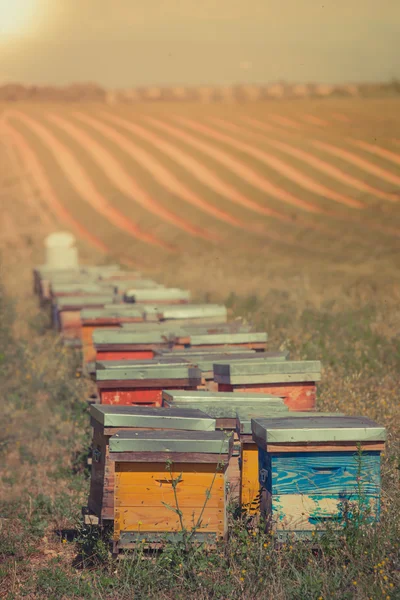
{"type": "Point", "coordinates": [17, 17]}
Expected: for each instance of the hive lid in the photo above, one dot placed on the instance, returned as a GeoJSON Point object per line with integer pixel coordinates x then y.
{"type": "Point", "coordinates": [189, 396]}
{"type": "Point", "coordinates": [112, 311]}
{"type": "Point", "coordinates": [118, 337]}
{"type": "Point", "coordinates": [137, 284]}
{"type": "Point", "coordinates": [79, 302]}
{"type": "Point", "coordinates": [228, 338]}
{"type": "Point", "coordinates": [262, 370]}
{"type": "Point", "coordinates": [82, 288]}
{"type": "Point", "coordinates": [316, 429]}
{"type": "Point", "coordinates": [191, 311]}
{"type": "Point", "coordinates": [158, 360]}
{"type": "Point", "coordinates": [152, 417]}
{"type": "Point", "coordinates": [147, 371]}
{"type": "Point", "coordinates": [262, 412]}
{"type": "Point", "coordinates": [223, 351]}
{"type": "Point", "coordinates": [155, 294]}
{"type": "Point", "coordinates": [204, 442]}
{"type": "Point", "coordinates": [227, 410]}
{"type": "Point", "coordinates": [119, 273]}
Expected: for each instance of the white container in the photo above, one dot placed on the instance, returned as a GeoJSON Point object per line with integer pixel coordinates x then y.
{"type": "Point", "coordinates": [61, 252]}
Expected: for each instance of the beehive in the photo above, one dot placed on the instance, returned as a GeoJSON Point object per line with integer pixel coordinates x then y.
{"type": "Point", "coordinates": [122, 344]}
{"type": "Point", "coordinates": [110, 317]}
{"type": "Point", "coordinates": [145, 503]}
{"type": "Point", "coordinates": [107, 420]}
{"type": "Point", "coordinates": [190, 313]}
{"type": "Point", "coordinates": [295, 381]}
{"type": "Point", "coordinates": [316, 471]}
{"type": "Point", "coordinates": [249, 476]}
{"type": "Point", "coordinates": [66, 312]}
{"type": "Point", "coordinates": [159, 295]}
{"type": "Point", "coordinates": [223, 407]}
{"type": "Point", "coordinates": [142, 382]}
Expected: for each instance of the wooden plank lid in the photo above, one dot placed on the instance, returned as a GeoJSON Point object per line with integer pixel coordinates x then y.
{"type": "Point", "coordinates": [228, 338]}
{"type": "Point", "coordinates": [191, 311]}
{"type": "Point", "coordinates": [79, 302]}
{"type": "Point", "coordinates": [199, 442]}
{"type": "Point", "coordinates": [154, 294]}
{"type": "Point", "coordinates": [112, 311]}
{"type": "Point", "coordinates": [261, 370]}
{"type": "Point", "coordinates": [244, 417]}
{"type": "Point", "coordinates": [82, 288]}
{"type": "Point", "coordinates": [211, 353]}
{"type": "Point", "coordinates": [316, 429]}
{"type": "Point", "coordinates": [151, 417]}
{"type": "Point", "coordinates": [234, 398]}
{"type": "Point", "coordinates": [118, 337]}
{"type": "Point", "coordinates": [227, 410]}
{"type": "Point", "coordinates": [141, 371]}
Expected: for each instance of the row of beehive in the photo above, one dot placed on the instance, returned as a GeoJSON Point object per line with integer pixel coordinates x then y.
{"type": "Point", "coordinates": [176, 382]}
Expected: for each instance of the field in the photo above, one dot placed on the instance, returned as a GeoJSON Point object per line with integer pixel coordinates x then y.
{"type": "Point", "coordinates": [287, 211]}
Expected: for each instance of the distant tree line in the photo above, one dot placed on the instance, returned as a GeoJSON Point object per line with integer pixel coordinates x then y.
{"type": "Point", "coordinates": [92, 92]}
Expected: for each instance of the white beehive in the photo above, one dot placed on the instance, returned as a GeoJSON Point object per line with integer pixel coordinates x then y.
{"type": "Point", "coordinates": [61, 252]}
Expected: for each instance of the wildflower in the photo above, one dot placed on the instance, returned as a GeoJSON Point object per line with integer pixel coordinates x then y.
{"type": "Point", "coordinates": [391, 585]}
{"type": "Point", "coordinates": [139, 523]}
{"type": "Point", "coordinates": [242, 579]}
{"type": "Point", "coordinates": [290, 547]}
{"type": "Point", "coordinates": [243, 570]}
{"type": "Point", "coordinates": [266, 545]}
{"type": "Point", "coordinates": [77, 374]}
{"type": "Point", "coordinates": [354, 582]}
{"type": "Point", "coordinates": [385, 577]}
{"type": "Point", "coordinates": [143, 541]}
{"type": "Point", "coordinates": [64, 541]}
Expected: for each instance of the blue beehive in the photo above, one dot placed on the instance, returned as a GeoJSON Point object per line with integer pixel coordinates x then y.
{"type": "Point", "coordinates": [318, 471]}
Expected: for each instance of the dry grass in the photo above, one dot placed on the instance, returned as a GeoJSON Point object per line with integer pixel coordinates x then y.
{"type": "Point", "coordinates": [338, 301]}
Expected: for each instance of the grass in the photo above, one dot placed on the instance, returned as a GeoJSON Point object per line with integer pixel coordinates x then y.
{"type": "Point", "coordinates": [46, 553]}
{"type": "Point", "coordinates": [337, 301]}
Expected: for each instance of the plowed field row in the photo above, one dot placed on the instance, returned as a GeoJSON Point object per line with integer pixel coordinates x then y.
{"type": "Point", "coordinates": [174, 179]}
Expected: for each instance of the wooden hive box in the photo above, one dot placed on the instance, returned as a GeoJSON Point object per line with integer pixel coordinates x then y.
{"type": "Point", "coordinates": [293, 380]}
{"type": "Point", "coordinates": [108, 420]}
{"type": "Point", "coordinates": [142, 382]}
{"type": "Point", "coordinates": [144, 494]}
{"type": "Point", "coordinates": [66, 312]}
{"type": "Point", "coordinates": [185, 330]}
{"type": "Point", "coordinates": [42, 276]}
{"type": "Point", "coordinates": [121, 344]}
{"type": "Point", "coordinates": [249, 472]}
{"type": "Point", "coordinates": [110, 317]}
{"type": "Point", "coordinates": [158, 295]}
{"type": "Point", "coordinates": [191, 314]}
{"type": "Point", "coordinates": [223, 408]}
{"type": "Point", "coordinates": [316, 470]}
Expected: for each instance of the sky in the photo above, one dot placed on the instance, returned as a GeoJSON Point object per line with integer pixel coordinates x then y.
{"type": "Point", "coordinates": [124, 43]}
